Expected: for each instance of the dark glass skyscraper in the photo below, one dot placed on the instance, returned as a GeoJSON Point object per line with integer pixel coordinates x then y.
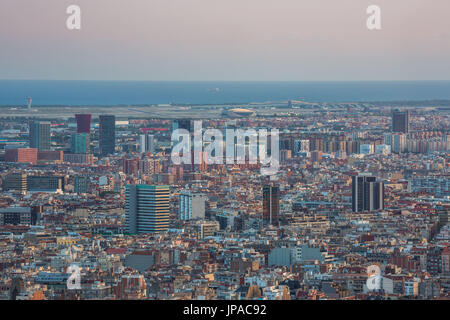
{"type": "Point", "coordinates": [367, 194]}
{"type": "Point", "coordinates": [400, 121]}
{"type": "Point", "coordinates": [271, 204]}
{"type": "Point", "coordinates": [40, 135]}
{"type": "Point", "coordinates": [83, 123]}
{"type": "Point", "coordinates": [107, 134]}
{"type": "Point", "coordinates": [182, 124]}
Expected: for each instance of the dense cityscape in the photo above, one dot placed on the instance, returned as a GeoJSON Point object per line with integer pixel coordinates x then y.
{"type": "Point", "coordinates": [93, 207]}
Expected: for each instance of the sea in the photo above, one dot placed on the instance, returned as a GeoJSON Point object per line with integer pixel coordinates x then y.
{"type": "Point", "coordinates": [91, 93]}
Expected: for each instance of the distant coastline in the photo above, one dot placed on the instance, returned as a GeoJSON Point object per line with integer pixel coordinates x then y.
{"type": "Point", "coordinates": [48, 93]}
{"type": "Point", "coordinates": [441, 104]}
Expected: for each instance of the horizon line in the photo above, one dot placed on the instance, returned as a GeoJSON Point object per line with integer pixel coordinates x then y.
{"type": "Point", "coordinates": [128, 80]}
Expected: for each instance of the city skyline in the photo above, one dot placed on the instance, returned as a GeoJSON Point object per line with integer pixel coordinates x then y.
{"type": "Point", "coordinates": [358, 208]}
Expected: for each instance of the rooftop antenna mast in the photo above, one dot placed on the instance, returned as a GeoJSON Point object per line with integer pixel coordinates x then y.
{"type": "Point", "coordinates": [29, 101]}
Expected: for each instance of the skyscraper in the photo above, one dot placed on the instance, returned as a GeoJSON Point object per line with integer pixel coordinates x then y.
{"type": "Point", "coordinates": [147, 143]}
{"type": "Point", "coordinates": [271, 204]}
{"type": "Point", "coordinates": [399, 143]}
{"type": "Point", "coordinates": [80, 143]}
{"type": "Point", "coordinates": [400, 121]}
{"type": "Point", "coordinates": [182, 124]}
{"type": "Point", "coordinates": [107, 134]}
{"type": "Point", "coordinates": [367, 194]}
{"type": "Point", "coordinates": [83, 123]}
{"type": "Point", "coordinates": [146, 208]}
{"type": "Point", "coordinates": [40, 135]}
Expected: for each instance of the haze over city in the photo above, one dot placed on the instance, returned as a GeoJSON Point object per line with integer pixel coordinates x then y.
{"type": "Point", "coordinates": [234, 40]}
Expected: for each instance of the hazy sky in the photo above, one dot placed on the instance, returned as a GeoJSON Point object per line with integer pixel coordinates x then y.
{"type": "Point", "coordinates": [225, 40]}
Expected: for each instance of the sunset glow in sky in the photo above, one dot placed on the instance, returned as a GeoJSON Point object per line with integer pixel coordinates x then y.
{"type": "Point", "coordinates": [225, 40]}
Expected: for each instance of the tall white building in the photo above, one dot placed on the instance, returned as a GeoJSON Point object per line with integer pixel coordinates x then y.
{"type": "Point", "coordinates": [147, 143]}
{"type": "Point", "coordinates": [399, 143]}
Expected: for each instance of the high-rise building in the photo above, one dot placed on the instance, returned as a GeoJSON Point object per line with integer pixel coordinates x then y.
{"type": "Point", "coordinates": [107, 134]}
{"type": "Point", "coordinates": [400, 121]}
{"type": "Point", "coordinates": [191, 206]}
{"type": "Point", "coordinates": [399, 143]}
{"type": "Point", "coordinates": [40, 135]}
{"type": "Point", "coordinates": [83, 123]}
{"type": "Point", "coordinates": [147, 208]}
{"type": "Point", "coordinates": [271, 204]}
{"type": "Point", "coordinates": [80, 143]}
{"type": "Point", "coordinates": [367, 194]}
{"type": "Point", "coordinates": [147, 143]}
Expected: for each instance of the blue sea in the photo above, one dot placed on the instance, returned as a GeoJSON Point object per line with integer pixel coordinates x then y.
{"type": "Point", "coordinates": [83, 93]}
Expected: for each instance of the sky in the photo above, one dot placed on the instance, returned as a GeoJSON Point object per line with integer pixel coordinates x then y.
{"type": "Point", "coordinates": [225, 40]}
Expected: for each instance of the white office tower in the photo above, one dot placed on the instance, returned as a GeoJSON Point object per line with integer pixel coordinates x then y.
{"type": "Point", "coordinates": [192, 206]}
{"type": "Point", "coordinates": [147, 143]}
